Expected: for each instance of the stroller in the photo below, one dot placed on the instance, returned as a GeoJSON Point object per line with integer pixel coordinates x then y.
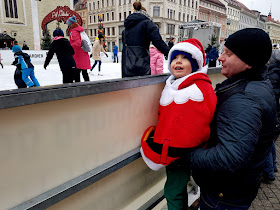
{"type": "Point", "coordinates": [18, 79]}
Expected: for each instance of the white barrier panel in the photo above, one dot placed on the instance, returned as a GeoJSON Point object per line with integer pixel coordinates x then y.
{"type": "Point", "coordinates": [38, 57]}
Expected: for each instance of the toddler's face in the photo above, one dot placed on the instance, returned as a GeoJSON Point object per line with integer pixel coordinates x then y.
{"type": "Point", "coordinates": [180, 66]}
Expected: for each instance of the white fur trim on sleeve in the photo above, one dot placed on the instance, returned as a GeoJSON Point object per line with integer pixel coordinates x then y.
{"type": "Point", "coordinates": [150, 164]}
{"type": "Point", "coordinates": [189, 48]}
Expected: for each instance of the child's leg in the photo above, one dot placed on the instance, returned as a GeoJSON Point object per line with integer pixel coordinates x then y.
{"type": "Point", "coordinates": [25, 75]}
{"type": "Point", "coordinates": [1, 65]}
{"type": "Point", "coordinates": [33, 78]}
{"type": "Point", "coordinates": [175, 188]}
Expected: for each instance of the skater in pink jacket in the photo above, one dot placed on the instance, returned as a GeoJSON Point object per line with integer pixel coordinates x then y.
{"type": "Point", "coordinates": [156, 60]}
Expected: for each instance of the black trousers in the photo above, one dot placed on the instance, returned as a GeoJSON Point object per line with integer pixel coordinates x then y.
{"type": "Point", "coordinates": [1, 65]}
{"type": "Point", "coordinates": [68, 76]}
{"type": "Point", "coordinates": [84, 73]}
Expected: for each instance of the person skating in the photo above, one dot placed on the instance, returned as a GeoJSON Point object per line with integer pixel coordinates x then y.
{"type": "Point", "coordinates": [23, 62]}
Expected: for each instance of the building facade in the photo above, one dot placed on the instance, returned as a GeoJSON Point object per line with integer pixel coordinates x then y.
{"type": "Point", "coordinates": [81, 8]}
{"type": "Point", "coordinates": [21, 19]}
{"type": "Point", "coordinates": [273, 29]}
{"type": "Point", "coordinates": [167, 14]}
{"type": "Point", "coordinates": [248, 18]}
{"type": "Point", "coordinates": [214, 11]}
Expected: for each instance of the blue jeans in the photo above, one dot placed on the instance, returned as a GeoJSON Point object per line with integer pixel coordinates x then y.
{"type": "Point", "coordinates": [99, 65]}
{"type": "Point", "coordinates": [116, 56]}
{"type": "Point", "coordinates": [29, 72]}
{"type": "Point", "coordinates": [270, 164]}
{"type": "Point", "coordinates": [208, 202]}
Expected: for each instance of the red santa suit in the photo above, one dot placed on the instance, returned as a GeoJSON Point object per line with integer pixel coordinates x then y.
{"type": "Point", "coordinates": [186, 109]}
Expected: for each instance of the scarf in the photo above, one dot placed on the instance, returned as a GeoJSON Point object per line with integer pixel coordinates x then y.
{"type": "Point", "coordinates": [143, 12]}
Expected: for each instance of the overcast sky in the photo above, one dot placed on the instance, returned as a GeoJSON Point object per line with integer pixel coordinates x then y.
{"type": "Point", "coordinates": [264, 6]}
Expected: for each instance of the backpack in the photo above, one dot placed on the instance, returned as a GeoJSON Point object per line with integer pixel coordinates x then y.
{"type": "Point", "coordinates": [86, 43]}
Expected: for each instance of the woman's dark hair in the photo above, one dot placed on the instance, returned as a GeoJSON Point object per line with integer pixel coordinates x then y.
{"type": "Point", "coordinates": [138, 6]}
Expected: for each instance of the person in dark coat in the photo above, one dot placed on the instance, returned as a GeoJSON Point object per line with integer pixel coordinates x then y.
{"type": "Point", "coordinates": [229, 169]}
{"type": "Point", "coordinates": [64, 52]}
{"type": "Point", "coordinates": [139, 32]}
{"type": "Point", "coordinates": [24, 46]}
{"type": "Point", "coordinates": [171, 42]}
{"type": "Point", "coordinates": [212, 57]}
{"type": "Point", "coordinates": [209, 47]}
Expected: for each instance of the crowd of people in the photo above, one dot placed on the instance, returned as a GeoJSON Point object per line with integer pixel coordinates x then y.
{"type": "Point", "coordinates": [224, 138]}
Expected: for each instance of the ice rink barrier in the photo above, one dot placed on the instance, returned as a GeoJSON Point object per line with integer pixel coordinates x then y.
{"type": "Point", "coordinates": [76, 146]}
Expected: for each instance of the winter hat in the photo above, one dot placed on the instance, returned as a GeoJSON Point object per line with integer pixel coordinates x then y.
{"type": "Point", "coordinates": [16, 48]}
{"type": "Point", "coordinates": [251, 45]}
{"type": "Point", "coordinates": [58, 32]}
{"type": "Point", "coordinates": [193, 48]}
{"type": "Point", "coordinates": [71, 20]}
{"type": "Point", "coordinates": [192, 61]}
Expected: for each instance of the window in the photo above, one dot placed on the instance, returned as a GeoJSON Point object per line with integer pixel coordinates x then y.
{"type": "Point", "coordinates": [179, 16]}
{"type": "Point", "coordinates": [120, 16]}
{"type": "Point", "coordinates": [184, 17]}
{"type": "Point", "coordinates": [93, 5]}
{"type": "Point", "coordinates": [113, 31]}
{"type": "Point", "coordinates": [192, 3]}
{"type": "Point", "coordinates": [98, 5]}
{"type": "Point", "coordinates": [129, 1]}
{"type": "Point", "coordinates": [102, 3]}
{"type": "Point", "coordinates": [107, 3]}
{"type": "Point", "coordinates": [108, 31]}
{"type": "Point", "coordinates": [196, 5]}
{"type": "Point", "coordinates": [113, 3]}
{"type": "Point", "coordinates": [108, 17]}
{"type": "Point", "coordinates": [170, 29]}
{"type": "Point", "coordinates": [89, 6]}
{"type": "Point", "coordinates": [180, 2]}
{"type": "Point", "coordinates": [189, 3]}
{"type": "Point", "coordinates": [187, 18]}
{"type": "Point", "coordinates": [124, 1]}
{"type": "Point", "coordinates": [156, 11]}
{"type": "Point", "coordinates": [184, 2]}
{"type": "Point", "coordinates": [11, 10]}
{"type": "Point", "coordinates": [94, 18]}
{"type": "Point", "coordinates": [129, 12]}
{"type": "Point", "coordinates": [121, 28]}
{"type": "Point", "coordinates": [120, 2]}
{"type": "Point", "coordinates": [113, 16]}
{"type": "Point", "coordinates": [191, 17]}
{"type": "Point", "coordinates": [90, 19]}
{"type": "Point", "coordinates": [94, 32]}
{"type": "Point", "coordinates": [103, 17]}
{"type": "Point", "coordinates": [124, 15]}
{"type": "Point", "coordinates": [90, 32]}
{"type": "Point", "coordinates": [168, 13]}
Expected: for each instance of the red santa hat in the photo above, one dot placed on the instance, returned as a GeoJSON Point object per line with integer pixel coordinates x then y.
{"type": "Point", "coordinates": [191, 46]}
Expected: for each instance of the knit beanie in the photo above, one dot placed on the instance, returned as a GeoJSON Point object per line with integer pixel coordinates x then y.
{"type": "Point", "coordinates": [16, 48]}
{"type": "Point", "coordinates": [71, 20]}
{"type": "Point", "coordinates": [251, 45]}
{"type": "Point", "coordinates": [194, 51]}
{"type": "Point", "coordinates": [58, 32]}
{"type": "Point", "coordinates": [192, 61]}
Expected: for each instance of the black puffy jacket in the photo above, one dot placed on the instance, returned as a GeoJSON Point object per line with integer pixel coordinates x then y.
{"type": "Point", "coordinates": [241, 138]}
{"type": "Point", "coordinates": [140, 31]}
{"type": "Point", "coordinates": [64, 52]}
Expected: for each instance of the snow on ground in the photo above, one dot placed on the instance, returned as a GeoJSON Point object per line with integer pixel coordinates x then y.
{"type": "Point", "coordinates": [53, 76]}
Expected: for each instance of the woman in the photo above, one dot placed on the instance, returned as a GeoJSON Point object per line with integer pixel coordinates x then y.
{"type": "Point", "coordinates": [96, 49]}
{"type": "Point", "coordinates": [81, 57]}
{"type": "Point", "coordinates": [139, 32]}
{"type": "Point", "coordinates": [64, 52]}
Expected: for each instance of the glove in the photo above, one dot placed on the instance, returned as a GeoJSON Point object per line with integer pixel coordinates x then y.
{"type": "Point", "coordinates": [106, 55]}
{"type": "Point", "coordinates": [90, 56]}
